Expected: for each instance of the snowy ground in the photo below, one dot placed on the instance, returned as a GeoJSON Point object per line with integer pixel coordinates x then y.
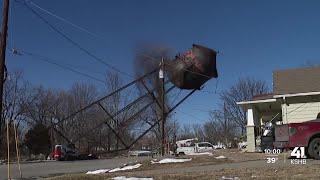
{"type": "Point", "coordinates": [123, 168]}
{"type": "Point", "coordinates": [130, 178]}
{"type": "Point", "coordinates": [220, 157]}
{"type": "Point", "coordinates": [200, 154]}
{"type": "Point", "coordinates": [170, 160]}
{"type": "Point", "coordinates": [224, 165]}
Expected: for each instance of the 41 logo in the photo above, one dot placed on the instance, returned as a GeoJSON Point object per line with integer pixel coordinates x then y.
{"type": "Point", "coordinates": [299, 153]}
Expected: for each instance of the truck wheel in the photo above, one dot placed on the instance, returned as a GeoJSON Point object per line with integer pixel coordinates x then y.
{"type": "Point", "coordinates": [314, 148]}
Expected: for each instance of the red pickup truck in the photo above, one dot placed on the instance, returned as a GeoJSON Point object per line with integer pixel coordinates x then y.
{"type": "Point", "coordinates": [305, 134]}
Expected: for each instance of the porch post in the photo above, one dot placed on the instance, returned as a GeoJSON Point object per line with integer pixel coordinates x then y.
{"type": "Point", "coordinates": [251, 142]}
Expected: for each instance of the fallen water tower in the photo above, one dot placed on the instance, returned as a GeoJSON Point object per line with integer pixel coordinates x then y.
{"type": "Point", "coordinates": [193, 68]}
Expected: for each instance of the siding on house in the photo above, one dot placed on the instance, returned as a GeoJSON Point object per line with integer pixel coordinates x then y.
{"type": "Point", "coordinates": [300, 112]}
{"type": "Point", "coordinates": [300, 80]}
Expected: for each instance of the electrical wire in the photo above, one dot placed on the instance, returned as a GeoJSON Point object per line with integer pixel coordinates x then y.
{"type": "Point", "coordinates": [304, 104]}
{"type": "Point", "coordinates": [176, 96]}
{"type": "Point", "coordinates": [97, 36]}
{"type": "Point", "coordinates": [51, 61]}
{"type": "Point", "coordinates": [86, 69]}
{"type": "Point", "coordinates": [74, 43]}
{"type": "Point", "coordinates": [188, 114]}
{"type": "Point", "coordinates": [79, 46]}
{"type": "Point", "coordinates": [209, 92]}
{"type": "Point", "coordinates": [63, 19]}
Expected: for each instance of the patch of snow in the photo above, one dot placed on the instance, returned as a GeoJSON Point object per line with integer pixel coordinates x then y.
{"type": "Point", "coordinates": [126, 167]}
{"type": "Point", "coordinates": [140, 153]}
{"type": "Point", "coordinates": [170, 160]}
{"type": "Point", "coordinates": [99, 171]}
{"type": "Point", "coordinates": [203, 153]}
{"type": "Point", "coordinates": [129, 167]}
{"type": "Point", "coordinates": [230, 178]}
{"type": "Point", "coordinates": [130, 178]}
{"type": "Point", "coordinates": [220, 157]}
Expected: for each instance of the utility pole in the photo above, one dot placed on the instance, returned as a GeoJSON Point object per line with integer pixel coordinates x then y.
{"type": "Point", "coordinates": [3, 44]}
{"type": "Point", "coordinates": [174, 138]}
{"type": "Point", "coordinates": [163, 115]}
{"type": "Point", "coordinates": [225, 123]}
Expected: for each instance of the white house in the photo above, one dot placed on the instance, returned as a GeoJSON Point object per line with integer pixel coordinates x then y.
{"type": "Point", "coordinates": [295, 98]}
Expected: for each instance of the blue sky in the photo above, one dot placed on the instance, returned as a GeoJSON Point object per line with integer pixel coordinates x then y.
{"type": "Point", "coordinates": [254, 37]}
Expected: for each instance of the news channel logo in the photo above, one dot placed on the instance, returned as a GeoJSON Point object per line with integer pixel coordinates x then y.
{"type": "Point", "coordinates": [298, 156]}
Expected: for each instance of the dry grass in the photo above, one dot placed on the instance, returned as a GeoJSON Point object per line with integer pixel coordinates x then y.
{"type": "Point", "coordinates": [196, 161]}
{"type": "Point", "coordinates": [148, 169]}
{"type": "Point", "coordinates": [294, 173]}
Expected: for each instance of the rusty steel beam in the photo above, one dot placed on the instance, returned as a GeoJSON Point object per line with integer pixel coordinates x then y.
{"type": "Point", "coordinates": [114, 132]}
{"type": "Point", "coordinates": [181, 101]}
{"type": "Point", "coordinates": [152, 126]}
{"type": "Point", "coordinates": [105, 97]}
{"type": "Point", "coordinates": [159, 119]}
{"type": "Point", "coordinates": [116, 114]}
{"type": "Point", "coordinates": [151, 93]}
{"type": "Point", "coordinates": [141, 110]}
{"type": "Point", "coordinates": [61, 134]}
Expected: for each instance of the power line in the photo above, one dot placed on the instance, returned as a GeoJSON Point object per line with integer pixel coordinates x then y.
{"type": "Point", "coordinates": [209, 92]}
{"type": "Point", "coordinates": [16, 51]}
{"type": "Point", "coordinates": [86, 69]}
{"type": "Point", "coordinates": [176, 97]}
{"type": "Point", "coordinates": [95, 35]}
{"type": "Point", "coordinates": [190, 115]}
{"type": "Point", "coordinates": [63, 19]}
{"type": "Point", "coordinates": [74, 43]}
{"type": "Point", "coordinates": [51, 61]}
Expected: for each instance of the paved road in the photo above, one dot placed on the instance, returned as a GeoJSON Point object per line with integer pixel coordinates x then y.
{"type": "Point", "coordinates": [45, 169]}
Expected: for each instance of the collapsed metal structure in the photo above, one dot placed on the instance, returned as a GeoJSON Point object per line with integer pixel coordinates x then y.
{"type": "Point", "coordinates": [202, 58]}
{"type": "Point", "coordinates": [111, 117]}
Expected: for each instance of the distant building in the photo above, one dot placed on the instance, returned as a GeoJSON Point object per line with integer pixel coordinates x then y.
{"type": "Point", "coordinates": [295, 98]}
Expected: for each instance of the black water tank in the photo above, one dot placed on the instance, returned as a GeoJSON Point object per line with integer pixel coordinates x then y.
{"type": "Point", "coordinates": [192, 69]}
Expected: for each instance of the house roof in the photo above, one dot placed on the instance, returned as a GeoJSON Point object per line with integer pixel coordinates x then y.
{"type": "Point", "coordinates": [293, 81]}
{"type": "Point", "coordinates": [263, 96]}
{"type": "Point", "coordinates": [257, 101]}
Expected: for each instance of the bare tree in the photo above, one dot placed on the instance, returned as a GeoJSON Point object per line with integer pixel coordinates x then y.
{"type": "Point", "coordinates": [220, 128]}
{"type": "Point", "coordinates": [49, 106]}
{"type": "Point", "coordinates": [16, 93]}
{"type": "Point", "coordinates": [114, 104]}
{"type": "Point", "coordinates": [198, 132]}
{"type": "Point", "coordinates": [80, 95]}
{"type": "Point", "coordinates": [185, 132]}
{"type": "Point", "coordinates": [245, 89]}
{"type": "Point", "coordinates": [211, 131]}
{"type": "Point", "coordinates": [39, 109]}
